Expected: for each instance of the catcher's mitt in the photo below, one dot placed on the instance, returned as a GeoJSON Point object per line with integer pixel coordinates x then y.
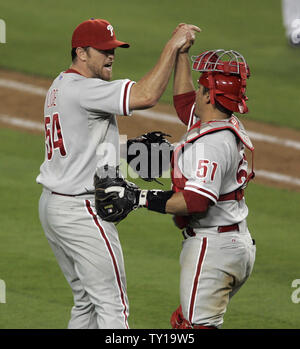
{"type": "Point", "coordinates": [149, 155]}
{"type": "Point", "coordinates": [115, 197]}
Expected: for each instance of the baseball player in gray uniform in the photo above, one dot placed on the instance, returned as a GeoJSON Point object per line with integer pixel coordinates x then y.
{"type": "Point", "coordinates": [291, 21]}
{"type": "Point", "coordinates": [209, 176]}
{"type": "Point", "coordinates": [210, 173]}
{"type": "Point", "coordinates": [81, 135]}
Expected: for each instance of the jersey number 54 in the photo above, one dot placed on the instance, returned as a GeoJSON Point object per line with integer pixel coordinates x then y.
{"type": "Point", "coordinates": [53, 136]}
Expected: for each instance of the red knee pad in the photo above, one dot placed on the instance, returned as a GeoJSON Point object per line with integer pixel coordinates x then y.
{"type": "Point", "coordinates": [177, 318]}
{"type": "Point", "coordinates": [179, 322]}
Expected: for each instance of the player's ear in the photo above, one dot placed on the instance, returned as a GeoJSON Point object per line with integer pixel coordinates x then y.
{"type": "Point", "coordinates": [207, 98]}
{"type": "Point", "coordinates": [81, 53]}
{"type": "Point", "coordinates": [206, 94]}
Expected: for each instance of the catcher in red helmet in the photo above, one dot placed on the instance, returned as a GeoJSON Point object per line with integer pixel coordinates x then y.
{"type": "Point", "coordinates": [223, 82]}
{"type": "Point", "coordinates": [218, 252]}
{"type": "Point", "coordinates": [226, 80]}
{"type": "Point", "coordinates": [209, 177]}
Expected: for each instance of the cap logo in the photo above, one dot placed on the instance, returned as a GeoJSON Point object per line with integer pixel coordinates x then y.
{"type": "Point", "coordinates": [111, 29]}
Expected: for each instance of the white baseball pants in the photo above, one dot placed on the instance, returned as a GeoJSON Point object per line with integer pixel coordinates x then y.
{"type": "Point", "coordinates": [90, 256]}
{"type": "Point", "coordinates": [213, 268]}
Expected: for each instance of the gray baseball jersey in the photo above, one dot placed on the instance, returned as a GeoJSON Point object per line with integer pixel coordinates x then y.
{"type": "Point", "coordinates": [81, 130]}
{"type": "Point", "coordinates": [211, 161]}
{"type": "Point", "coordinates": [217, 167]}
{"type": "Point", "coordinates": [81, 134]}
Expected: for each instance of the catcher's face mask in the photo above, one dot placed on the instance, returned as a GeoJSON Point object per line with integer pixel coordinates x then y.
{"type": "Point", "coordinates": [225, 74]}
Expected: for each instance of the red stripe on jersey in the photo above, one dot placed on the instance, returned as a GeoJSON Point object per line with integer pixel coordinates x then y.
{"type": "Point", "coordinates": [125, 98]}
{"type": "Point", "coordinates": [196, 278]}
{"type": "Point", "coordinates": [202, 190]}
{"type": "Point", "coordinates": [115, 264]}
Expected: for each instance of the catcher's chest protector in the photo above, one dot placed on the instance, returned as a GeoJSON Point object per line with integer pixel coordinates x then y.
{"type": "Point", "coordinates": [194, 133]}
{"type": "Point", "coordinates": [199, 130]}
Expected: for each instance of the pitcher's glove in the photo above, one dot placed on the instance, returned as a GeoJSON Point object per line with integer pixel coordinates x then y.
{"type": "Point", "coordinates": [115, 197]}
{"type": "Point", "coordinates": [154, 154]}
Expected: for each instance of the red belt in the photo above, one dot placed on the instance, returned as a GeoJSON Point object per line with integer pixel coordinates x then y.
{"type": "Point", "coordinates": [227, 228]}
{"type": "Point", "coordinates": [234, 195]}
{"type": "Point", "coordinates": [221, 229]}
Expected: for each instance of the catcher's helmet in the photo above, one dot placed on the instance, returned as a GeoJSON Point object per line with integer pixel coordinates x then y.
{"type": "Point", "coordinates": [225, 74]}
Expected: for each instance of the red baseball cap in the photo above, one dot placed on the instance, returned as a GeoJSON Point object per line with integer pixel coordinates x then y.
{"type": "Point", "coordinates": [96, 33]}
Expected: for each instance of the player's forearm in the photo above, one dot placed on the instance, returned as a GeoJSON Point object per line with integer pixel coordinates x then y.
{"type": "Point", "coordinates": [181, 203]}
{"type": "Point", "coordinates": [183, 81]}
{"type": "Point", "coordinates": [147, 91]}
{"type": "Point", "coordinates": [162, 201]}
{"type": "Point", "coordinates": [176, 205]}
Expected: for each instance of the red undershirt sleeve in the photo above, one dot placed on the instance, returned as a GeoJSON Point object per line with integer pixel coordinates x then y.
{"type": "Point", "coordinates": [183, 104]}
{"type": "Point", "coordinates": [196, 203]}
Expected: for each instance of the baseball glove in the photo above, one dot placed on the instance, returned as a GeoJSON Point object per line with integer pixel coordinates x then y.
{"type": "Point", "coordinates": [149, 154]}
{"type": "Point", "coordinates": [115, 197]}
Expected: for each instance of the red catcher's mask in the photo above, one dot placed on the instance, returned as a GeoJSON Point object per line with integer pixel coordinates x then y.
{"type": "Point", "coordinates": [224, 73]}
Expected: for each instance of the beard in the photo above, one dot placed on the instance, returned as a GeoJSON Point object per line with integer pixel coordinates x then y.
{"type": "Point", "coordinates": [99, 72]}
